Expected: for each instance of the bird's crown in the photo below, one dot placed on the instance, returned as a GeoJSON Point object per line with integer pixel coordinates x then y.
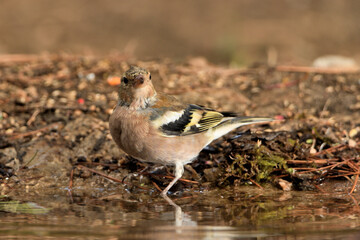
{"type": "Point", "coordinates": [135, 71]}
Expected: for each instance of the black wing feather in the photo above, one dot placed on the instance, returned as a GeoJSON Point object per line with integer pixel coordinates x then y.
{"type": "Point", "coordinates": [177, 127]}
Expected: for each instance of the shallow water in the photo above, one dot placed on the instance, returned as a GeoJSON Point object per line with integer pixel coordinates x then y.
{"type": "Point", "coordinates": [245, 213]}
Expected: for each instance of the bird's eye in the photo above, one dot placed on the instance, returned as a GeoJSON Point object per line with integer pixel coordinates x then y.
{"type": "Point", "coordinates": [125, 80]}
{"type": "Point", "coordinates": [150, 77]}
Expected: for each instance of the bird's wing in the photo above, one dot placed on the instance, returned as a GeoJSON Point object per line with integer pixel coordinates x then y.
{"type": "Point", "coordinates": [185, 121]}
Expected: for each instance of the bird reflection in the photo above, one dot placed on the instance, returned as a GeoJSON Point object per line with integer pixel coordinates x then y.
{"type": "Point", "coordinates": [181, 218]}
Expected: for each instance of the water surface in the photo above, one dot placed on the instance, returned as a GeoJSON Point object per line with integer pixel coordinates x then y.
{"type": "Point", "coordinates": [244, 213]}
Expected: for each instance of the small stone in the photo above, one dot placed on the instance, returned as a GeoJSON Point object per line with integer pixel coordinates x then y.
{"type": "Point", "coordinates": [9, 131]}
{"type": "Point", "coordinates": [72, 95]}
{"type": "Point", "coordinates": [91, 77]}
{"type": "Point", "coordinates": [313, 150]}
{"type": "Point", "coordinates": [352, 143]}
{"type": "Point", "coordinates": [285, 185]}
{"type": "Point", "coordinates": [109, 111]}
{"type": "Point", "coordinates": [63, 100]}
{"type": "Point", "coordinates": [82, 86]}
{"type": "Point", "coordinates": [92, 108]}
{"type": "Point", "coordinates": [50, 103]}
{"type": "Point", "coordinates": [56, 93]}
{"type": "Point", "coordinates": [77, 113]}
{"type": "Point", "coordinates": [353, 132]}
{"type": "Point", "coordinates": [23, 129]}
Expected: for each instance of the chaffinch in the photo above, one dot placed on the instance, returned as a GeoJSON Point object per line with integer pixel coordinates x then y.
{"type": "Point", "coordinates": [158, 128]}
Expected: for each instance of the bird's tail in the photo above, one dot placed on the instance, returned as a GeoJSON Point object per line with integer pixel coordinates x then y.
{"type": "Point", "coordinates": [232, 123]}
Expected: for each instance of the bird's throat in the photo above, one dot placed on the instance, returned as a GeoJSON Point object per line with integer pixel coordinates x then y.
{"type": "Point", "coordinates": [138, 99]}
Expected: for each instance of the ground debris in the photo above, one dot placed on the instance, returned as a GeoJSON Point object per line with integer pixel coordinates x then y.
{"type": "Point", "coordinates": [55, 111]}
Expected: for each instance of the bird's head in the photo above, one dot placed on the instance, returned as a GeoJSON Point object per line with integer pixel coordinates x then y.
{"type": "Point", "coordinates": [136, 88]}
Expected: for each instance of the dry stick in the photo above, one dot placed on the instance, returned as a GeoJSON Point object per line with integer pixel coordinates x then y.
{"type": "Point", "coordinates": [100, 164]}
{"type": "Point", "coordinates": [332, 149]}
{"type": "Point", "coordinates": [349, 179]}
{"type": "Point", "coordinates": [101, 174]}
{"type": "Point", "coordinates": [44, 129]}
{"type": "Point", "coordinates": [319, 169]}
{"type": "Point", "coordinates": [353, 165]}
{"type": "Point", "coordinates": [355, 202]}
{"type": "Point", "coordinates": [319, 188]}
{"type": "Point", "coordinates": [181, 179]}
{"type": "Point", "coordinates": [256, 183]}
{"type": "Point", "coordinates": [33, 117]}
{"type": "Point", "coordinates": [305, 168]}
{"type": "Point", "coordinates": [312, 161]}
{"type": "Point", "coordinates": [106, 176]}
{"type": "Point", "coordinates": [355, 183]}
{"type": "Point", "coordinates": [345, 174]}
{"type": "Point", "coordinates": [171, 177]}
{"type": "Point", "coordinates": [156, 186]}
{"type": "Point", "coordinates": [71, 179]}
{"type": "Point", "coordinates": [32, 158]}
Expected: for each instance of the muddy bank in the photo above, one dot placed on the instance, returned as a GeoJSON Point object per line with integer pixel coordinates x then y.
{"type": "Point", "coordinates": [55, 110]}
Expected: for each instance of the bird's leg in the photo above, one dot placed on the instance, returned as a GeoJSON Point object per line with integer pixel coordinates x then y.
{"type": "Point", "coordinates": [179, 170]}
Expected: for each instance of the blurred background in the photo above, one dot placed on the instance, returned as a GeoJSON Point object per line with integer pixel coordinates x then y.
{"type": "Point", "coordinates": [237, 32]}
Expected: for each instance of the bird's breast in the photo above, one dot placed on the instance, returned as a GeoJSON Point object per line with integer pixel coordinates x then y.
{"type": "Point", "coordinates": [129, 130]}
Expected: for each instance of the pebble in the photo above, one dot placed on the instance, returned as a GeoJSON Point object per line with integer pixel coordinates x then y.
{"type": "Point", "coordinates": [72, 95]}
{"type": "Point", "coordinates": [82, 85]}
{"type": "Point", "coordinates": [9, 131]}
{"type": "Point", "coordinates": [23, 129]}
{"type": "Point", "coordinates": [56, 93]}
{"type": "Point", "coordinates": [77, 113]}
{"type": "Point", "coordinates": [352, 143]}
{"type": "Point", "coordinates": [50, 102]}
{"type": "Point", "coordinates": [353, 132]}
{"type": "Point", "coordinates": [92, 108]}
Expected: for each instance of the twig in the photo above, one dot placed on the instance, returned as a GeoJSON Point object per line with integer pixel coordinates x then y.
{"type": "Point", "coordinates": [171, 177]}
{"type": "Point", "coordinates": [355, 203]}
{"type": "Point", "coordinates": [258, 185]}
{"type": "Point", "coordinates": [101, 174]}
{"type": "Point", "coordinates": [355, 183]}
{"type": "Point", "coordinates": [106, 176]}
{"type": "Point", "coordinates": [316, 186]}
{"type": "Point", "coordinates": [71, 179]}
{"type": "Point", "coordinates": [305, 168]}
{"type": "Point", "coordinates": [32, 158]}
{"type": "Point", "coordinates": [156, 186]}
{"type": "Point", "coordinates": [343, 175]}
{"type": "Point", "coordinates": [353, 165]}
{"type": "Point", "coordinates": [330, 150]}
{"type": "Point", "coordinates": [44, 129]}
{"type": "Point", "coordinates": [181, 179]}
{"type": "Point", "coordinates": [325, 107]}
{"type": "Point", "coordinates": [33, 117]}
{"type": "Point", "coordinates": [312, 161]}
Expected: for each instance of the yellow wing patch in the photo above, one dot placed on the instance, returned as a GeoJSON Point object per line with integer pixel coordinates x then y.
{"type": "Point", "coordinates": [202, 120]}
{"type": "Point", "coordinates": [191, 120]}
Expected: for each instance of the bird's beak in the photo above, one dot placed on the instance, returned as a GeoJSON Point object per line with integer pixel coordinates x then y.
{"type": "Point", "coordinates": [139, 80]}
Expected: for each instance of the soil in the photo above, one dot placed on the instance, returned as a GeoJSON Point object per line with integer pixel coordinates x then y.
{"type": "Point", "coordinates": [54, 127]}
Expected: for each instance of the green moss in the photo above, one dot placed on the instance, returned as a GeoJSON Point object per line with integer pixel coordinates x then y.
{"type": "Point", "coordinates": [291, 142]}
{"type": "Point", "coordinates": [258, 164]}
{"type": "Point", "coordinates": [267, 162]}
{"type": "Point", "coordinates": [19, 207]}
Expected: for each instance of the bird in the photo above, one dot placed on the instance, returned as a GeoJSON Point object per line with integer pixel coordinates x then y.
{"type": "Point", "coordinates": [154, 127]}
